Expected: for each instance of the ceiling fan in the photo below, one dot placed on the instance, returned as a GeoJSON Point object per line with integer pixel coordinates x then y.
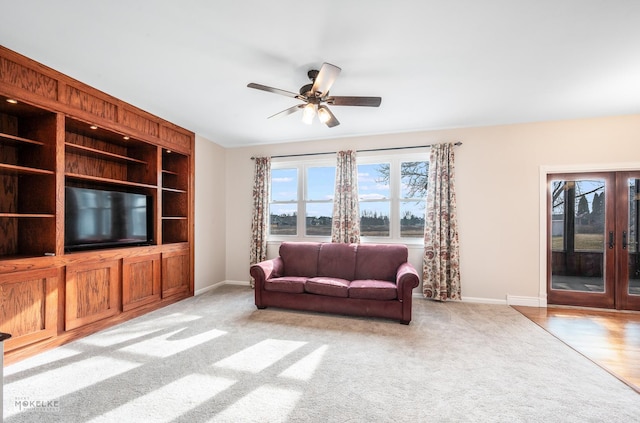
{"type": "Point", "coordinates": [316, 97]}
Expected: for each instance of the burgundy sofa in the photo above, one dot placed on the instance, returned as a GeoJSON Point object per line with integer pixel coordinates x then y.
{"type": "Point", "coordinates": [356, 279]}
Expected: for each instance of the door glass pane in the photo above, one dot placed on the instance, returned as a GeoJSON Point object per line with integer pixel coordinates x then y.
{"type": "Point", "coordinates": [632, 237]}
{"type": "Point", "coordinates": [578, 235]}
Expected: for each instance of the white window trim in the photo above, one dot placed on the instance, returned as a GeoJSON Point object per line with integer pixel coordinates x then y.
{"type": "Point", "coordinates": [394, 159]}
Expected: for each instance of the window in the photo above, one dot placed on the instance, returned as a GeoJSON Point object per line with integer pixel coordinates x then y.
{"type": "Point", "coordinates": [392, 192]}
{"type": "Point", "coordinates": [320, 183]}
{"type": "Point", "coordinates": [283, 207]}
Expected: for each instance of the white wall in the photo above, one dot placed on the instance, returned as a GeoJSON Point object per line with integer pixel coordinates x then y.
{"type": "Point", "coordinates": [210, 214]}
{"type": "Point", "coordinates": [498, 187]}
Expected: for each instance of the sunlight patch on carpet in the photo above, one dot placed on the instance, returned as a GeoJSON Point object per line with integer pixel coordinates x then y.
{"type": "Point", "coordinates": [57, 354]}
{"type": "Point", "coordinates": [128, 332]}
{"type": "Point", "coordinates": [52, 384]}
{"type": "Point", "coordinates": [258, 357]}
{"type": "Point", "coordinates": [304, 368]}
{"type": "Point", "coordinates": [171, 343]}
{"type": "Point", "coordinates": [265, 404]}
{"type": "Point", "coordinates": [170, 401]}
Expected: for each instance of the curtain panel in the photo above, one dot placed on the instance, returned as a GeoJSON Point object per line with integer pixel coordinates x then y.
{"type": "Point", "coordinates": [441, 261]}
{"type": "Point", "coordinates": [345, 226]}
{"type": "Point", "coordinates": [260, 215]}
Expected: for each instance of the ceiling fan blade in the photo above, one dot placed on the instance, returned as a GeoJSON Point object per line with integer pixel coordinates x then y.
{"type": "Point", "coordinates": [325, 79]}
{"type": "Point", "coordinates": [275, 90]}
{"type": "Point", "coordinates": [355, 101]}
{"type": "Point", "coordinates": [287, 112]}
{"type": "Point", "coordinates": [325, 115]}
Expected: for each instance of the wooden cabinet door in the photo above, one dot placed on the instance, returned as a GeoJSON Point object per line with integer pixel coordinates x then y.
{"type": "Point", "coordinates": [140, 281]}
{"type": "Point", "coordinates": [175, 273]}
{"type": "Point", "coordinates": [92, 292]}
{"type": "Point", "coordinates": [29, 306]}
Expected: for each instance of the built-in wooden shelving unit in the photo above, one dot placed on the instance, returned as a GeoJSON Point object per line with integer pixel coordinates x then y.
{"type": "Point", "coordinates": [57, 132]}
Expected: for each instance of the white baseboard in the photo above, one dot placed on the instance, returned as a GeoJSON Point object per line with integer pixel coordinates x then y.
{"type": "Point", "coordinates": [477, 300]}
{"type": "Point", "coordinates": [526, 301]}
{"type": "Point", "coordinates": [510, 300]}
{"type": "Point", "coordinates": [481, 300]}
{"type": "Point", "coordinates": [208, 288]}
{"type": "Point", "coordinates": [242, 283]}
{"type": "Point", "coordinates": [219, 284]}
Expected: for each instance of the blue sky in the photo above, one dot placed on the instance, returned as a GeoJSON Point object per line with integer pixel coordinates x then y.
{"type": "Point", "coordinates": [284, 188]}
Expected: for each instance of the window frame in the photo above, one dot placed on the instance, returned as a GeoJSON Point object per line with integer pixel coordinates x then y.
{"type": "Point", "coordinates": [394, 159]}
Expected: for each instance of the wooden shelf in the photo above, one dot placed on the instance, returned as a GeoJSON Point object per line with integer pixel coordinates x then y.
{"type": "Point", "coordinates": [14, 169]}
{"type": "Point", "coordinates": [174, 218]}
{"type": "Point", "coordinates": [16, 140]}
{"type": "Point", "coordinates": [170, 172]}
{"type": "Point", "coordinates": [108, 180]}
{"type": "Point", "coordinates": [176, 190]}
{"type": "Point", "coordinates": [28, 215]}
{"type": "Point", "coordinates": [104, 154]}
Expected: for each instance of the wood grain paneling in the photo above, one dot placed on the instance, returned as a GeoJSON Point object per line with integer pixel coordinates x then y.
{"type": "Point", "coordinates": [89, 103]}
{"type": "Point", "coordinates": [140, 123]}
{"type": "Point", "coordinates": [94, 166]}
{"type": "Point", "coordinates": [175, 204]}
{"type": "Point", "coordinates": [175, 230]}
{"type": "Point", "coordinates": [92, 292]}
{"type": "Point", "coordinates": [36, 236]}
{"type": "Point", "coordinates": [8, 236]}
{"type": "Point", "coordinates": [175, 273]}
{"type": "Point", "coordinates": [27, 79]}
{"type": "Point", "coordinates": [140, 281]}
{"type": "Point", "coordinates": [28, 306]}
{"type": "Point", "coordinates": [176, 138]}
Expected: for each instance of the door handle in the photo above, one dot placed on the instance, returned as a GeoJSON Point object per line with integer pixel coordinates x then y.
{"type": "Point", "coordinates": [624, 240]}
{"type": "Point", "coordinates": [611, 243]}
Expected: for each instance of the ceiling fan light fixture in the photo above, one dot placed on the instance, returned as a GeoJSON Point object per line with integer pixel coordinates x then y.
{"type": "Point", "coordinates": [308, 112]}
{"type": "Point", "coordinates": [323, 114]}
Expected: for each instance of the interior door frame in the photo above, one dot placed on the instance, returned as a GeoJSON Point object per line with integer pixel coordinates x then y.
{"type": "Point", "coordinates": [543, 172]}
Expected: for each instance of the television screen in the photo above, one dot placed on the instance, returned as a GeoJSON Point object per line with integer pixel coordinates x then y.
{"type": "Point", "coordinates": [99, 218]}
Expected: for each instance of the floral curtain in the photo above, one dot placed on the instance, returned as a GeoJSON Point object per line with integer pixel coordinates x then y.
{"type": "Point", "coordinates": [441, 262]}
{"type": "Point", "coordinates": [260, 218]}
{"type": "Point", "coordinates": [346, 213]}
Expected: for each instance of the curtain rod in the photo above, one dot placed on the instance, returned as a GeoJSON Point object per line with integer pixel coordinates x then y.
{"type": "Point", "coordinates": [357, 151]}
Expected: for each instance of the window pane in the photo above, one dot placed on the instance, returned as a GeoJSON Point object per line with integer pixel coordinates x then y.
{"type": "Point", "coordinates": [412, 219]}
{"type": "Point", "coordinates": [321, 183]}
{"type": "Point", "coordinates": [373, 182]}
{"type": "Point", "coordinates": [284, 184]}
{"type": "Point", "coordinates": [318, 219]}
{"type": "Point", "coordinates": [374, 218]}
{"type": "Point", "coordinates": [283, 219]}
{"type": "Point", "coordinates": [414, 179]}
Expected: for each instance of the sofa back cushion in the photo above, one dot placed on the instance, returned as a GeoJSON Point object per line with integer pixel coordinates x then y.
{"type": "Point", "coordinates": [300, 258]}
{"type": "Point", "coordinates": [380, 261]}
{"type": "Point", "coordinates": [337, 260]}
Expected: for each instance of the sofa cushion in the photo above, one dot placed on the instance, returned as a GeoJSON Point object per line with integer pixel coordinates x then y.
{"type": "Point", "coordinates": [293, 284]}
{"type": "Point", "coordinates": [300, 258]}
{"type": "Point", "coordinates": [333, 287]}
{"type": "Point", "coordinates": [379, 261]}
{"type": "Point", "coordinates": [337, 260]}
{"type": "Point", "coordinates": [372, 289]}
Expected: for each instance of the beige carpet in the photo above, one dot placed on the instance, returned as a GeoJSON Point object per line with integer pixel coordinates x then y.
{"type": "Point", "coordinates": [217, 358]}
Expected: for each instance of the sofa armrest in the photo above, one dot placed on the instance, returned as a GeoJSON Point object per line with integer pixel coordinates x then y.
{"type": "Point", "coordinates": [406, 280]}
{"type": "Point", "coordinates": [265, 270]}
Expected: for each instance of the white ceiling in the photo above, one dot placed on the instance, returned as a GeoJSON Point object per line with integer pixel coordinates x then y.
{"type": "Point", "coordinates": [436, 64]}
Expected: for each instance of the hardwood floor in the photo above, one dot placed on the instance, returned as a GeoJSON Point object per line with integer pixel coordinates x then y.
{"type": "Point", "coordinates": [610, 339]}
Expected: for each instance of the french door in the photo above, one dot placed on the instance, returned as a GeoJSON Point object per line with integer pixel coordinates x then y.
{"type": "Point", "coordinates": [592, 240]}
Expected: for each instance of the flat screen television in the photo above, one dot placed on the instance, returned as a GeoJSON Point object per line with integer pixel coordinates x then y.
{"type": "Point", "coordinates": [96, 218]}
